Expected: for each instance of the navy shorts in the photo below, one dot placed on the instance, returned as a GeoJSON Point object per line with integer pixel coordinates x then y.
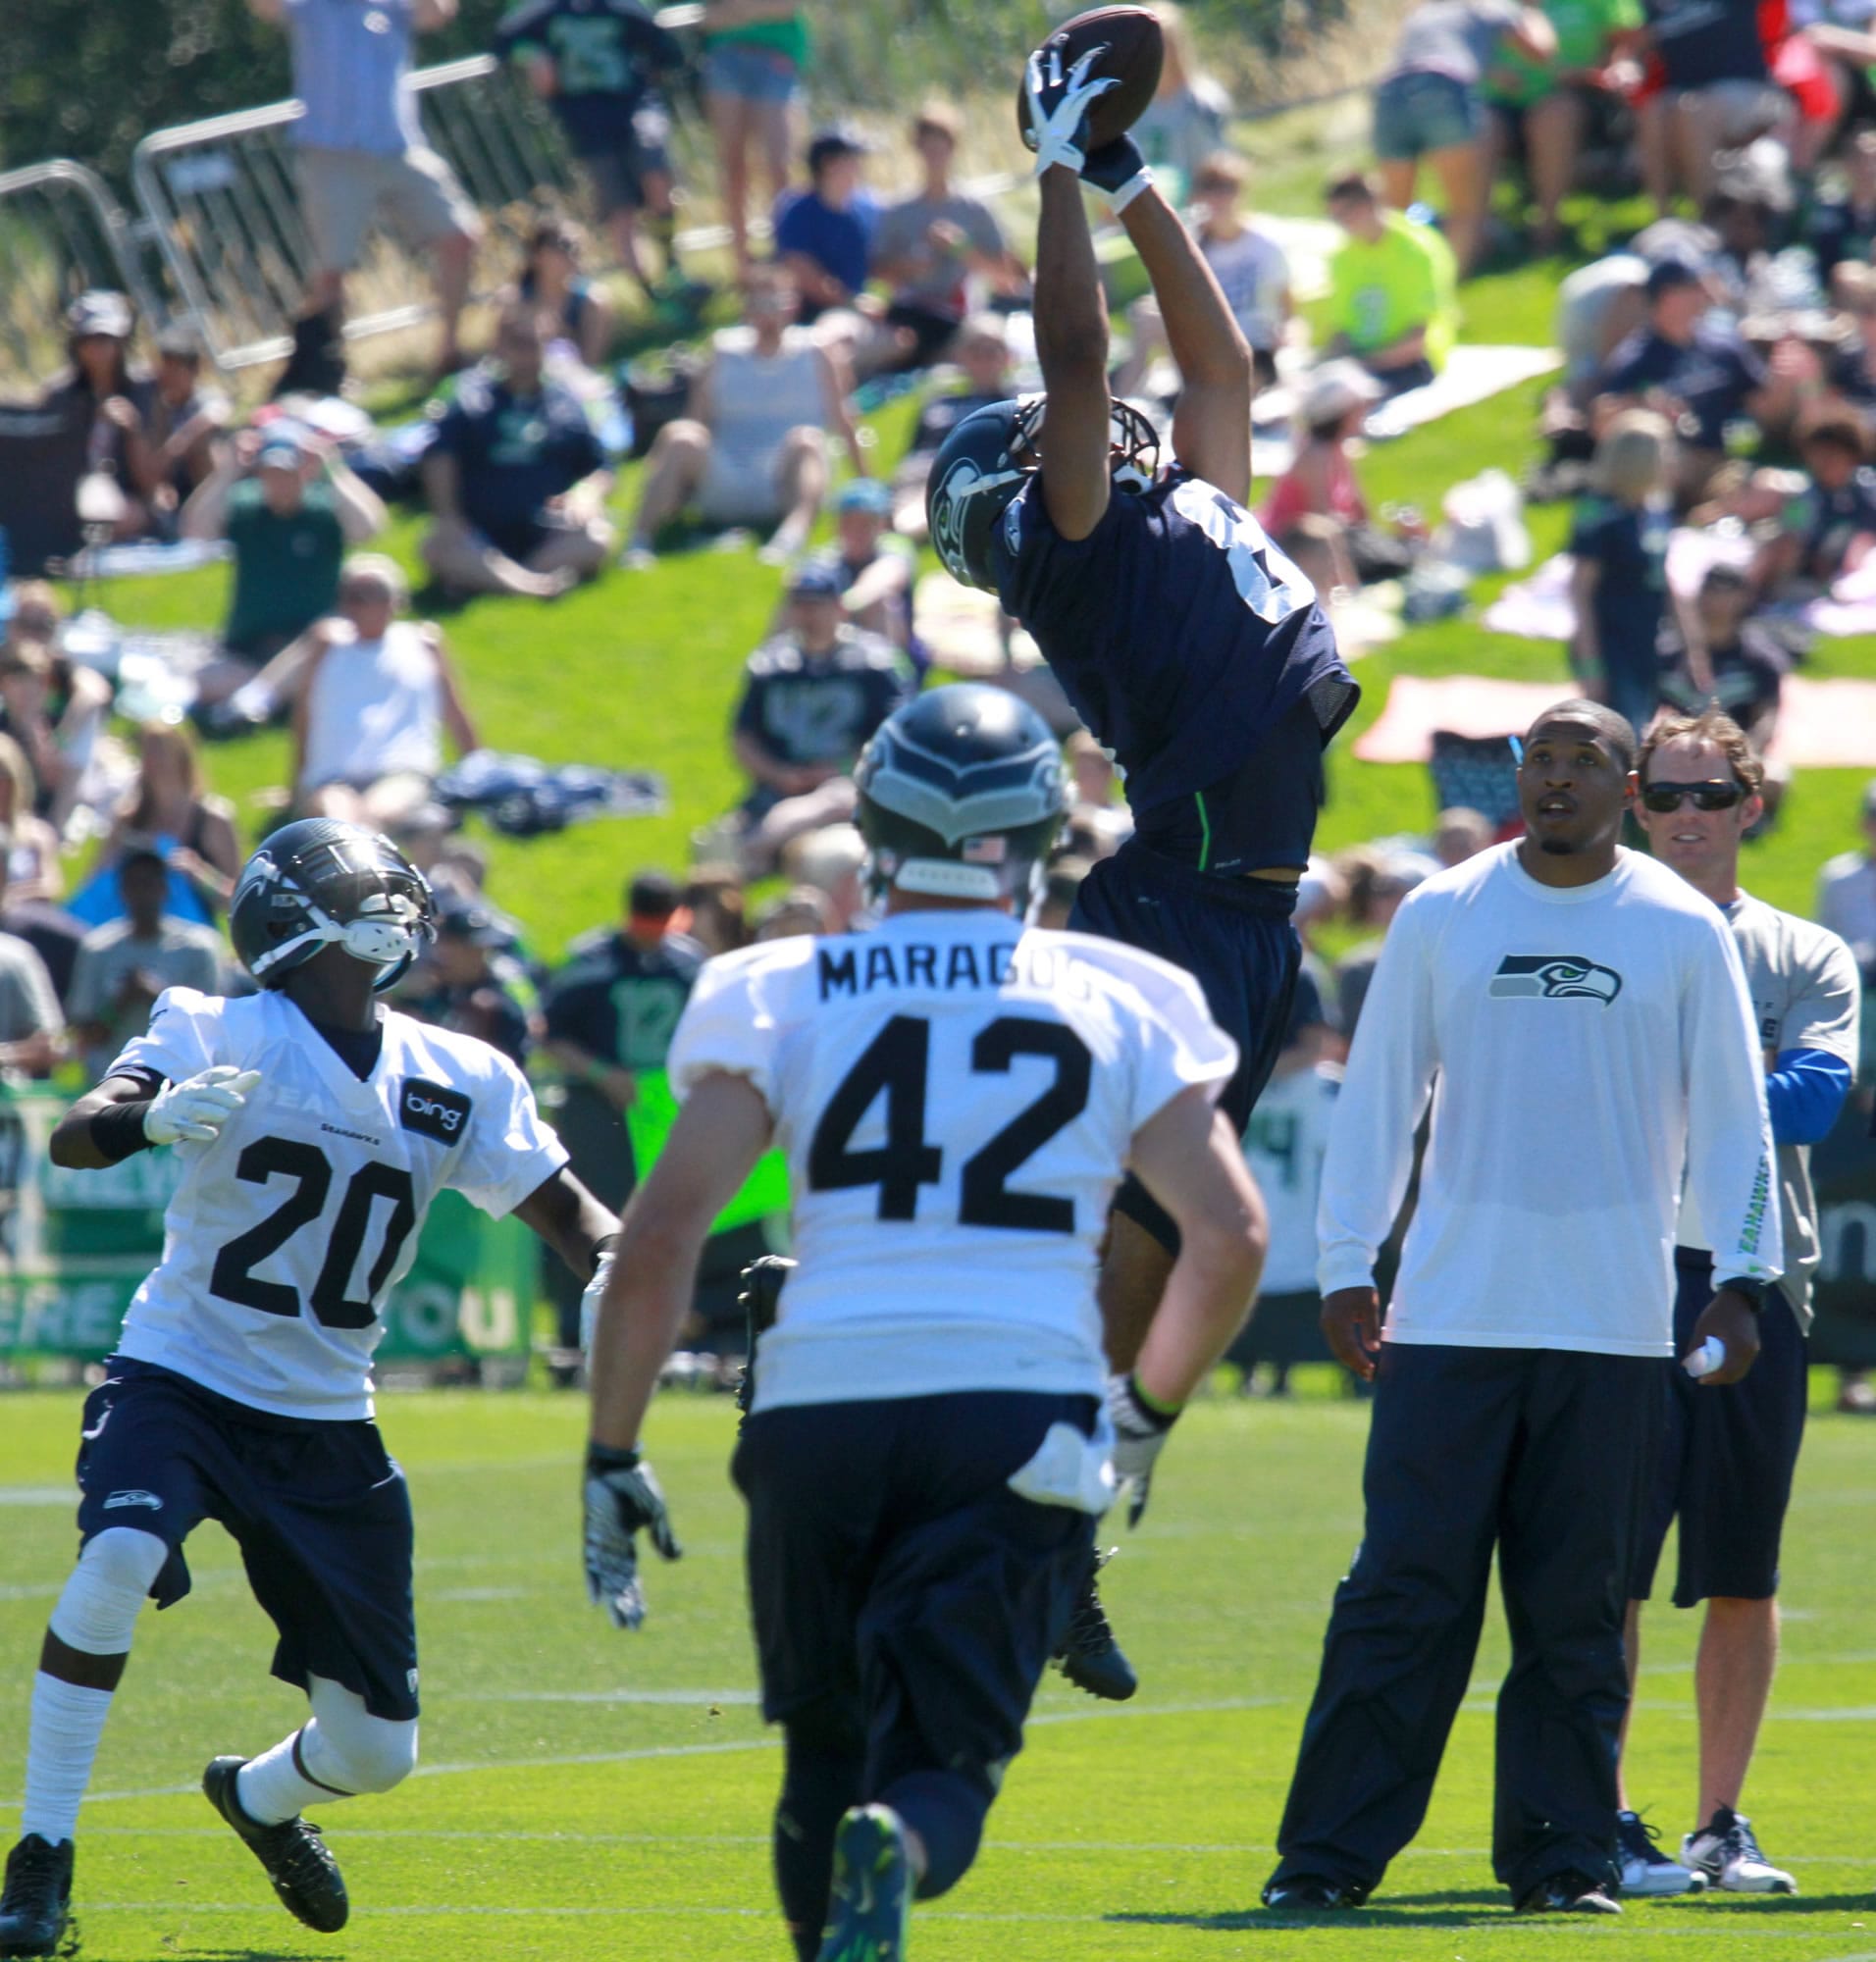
{"type": "Point", "coordinates": [906, 1600]}
{"type": "Point", "coordinates": [1727, 1458]}
{"type": "Point", "coordinates": [319, 1510]}
{"type": "Point", "coordinates": [1234, 937]}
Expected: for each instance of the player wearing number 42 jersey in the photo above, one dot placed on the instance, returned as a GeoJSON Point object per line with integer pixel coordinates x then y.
{"type": "Point", "coordinates": [932, 1419]}
{"type": "Point", "coordinates": [315, 1130]}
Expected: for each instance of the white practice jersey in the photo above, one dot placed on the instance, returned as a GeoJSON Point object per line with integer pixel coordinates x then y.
{"type": "Point", "coordinates": [1285, 1144]}
{"type": "Point", "coordinates": [287, 1231]}
{"type": "Point", "coordinates": [956, 1096]}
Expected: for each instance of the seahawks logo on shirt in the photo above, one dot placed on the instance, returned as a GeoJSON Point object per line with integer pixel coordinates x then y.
{"type": "Point", "coordinates": [1554, 977]}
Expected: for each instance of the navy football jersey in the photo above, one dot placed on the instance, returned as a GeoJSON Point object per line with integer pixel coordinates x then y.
{"type": "Point", "coordinates": [1177, 630]}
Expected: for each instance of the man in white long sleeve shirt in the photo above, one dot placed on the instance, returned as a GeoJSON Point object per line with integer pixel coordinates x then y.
{"type": "Point", "coordinates": [1724, 1472]}
{"type": "Point", "coordinates": [1579, 1016]}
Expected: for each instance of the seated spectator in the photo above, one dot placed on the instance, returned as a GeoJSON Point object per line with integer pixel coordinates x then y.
{"type": "Point", "coordinates": [824, 234]}
{"type": "Point", "coordinates": [516, 480]}
{"type": "Point", "coordinates": [168, 810]}
{"type": "Point", "coordinates": [377, 699]}
{"type": "Point", "coordinates": [1717, 93]}
{"type": "Point", "coordinates": [754, 54]}
{"type": "Point", "coordinates": [77, 700]}
{"type": "Point", "coordinates": [982, 377]}
{"type": "Point", "coordinates": [33, 870]}
{"type": "Point", "coordinates": [566, 304]}
{"type": "Point", "coordinates": [874, 565]}
{"type": "Point", "coordinates": [713, 912]}
{"type": "Point", "coordinates": [27, 712]}
{"type": "Point", "coordinates": [1321, 482]}
{"type": "Point", "coordinates": [833, 861]}
{"type": "Point", "coordinates": [466, 982]}
{"type": "Point", "coordinates": [31, 1023]}
{"type": "Point", "coordinates": [751, 451]}
{"type": "Point", "coordinates": [115, 401]}
{"type": "Point", "coordinates": [1096, 811]}
{"type": "Point", "coordinates": [600, 65]}
{"type": "Point", "coordinates": [928, 249]}
{"type": "Point", "coordinates": [289, 507]}
{"type": "Point", "coordinates": [1248, 264]}
{"type": "Point", "coordinates": [187, 419]}
{"type": "Point", "coordinates": [1541, 106]}
{"type": "Point", "coordinates": [1429, 105]}
{"type": "Point", "coordinates": [124, 966]}
{"type": "Point", "coordinates": [1598, 306]}
{"type": "Point", "coordinates": [1701, 377]}
{"type": "Point", "coordinates": [1619, 582]}
{"type": "Point", "coordinates": [1393, 301]}
{"type": "Point", "coordinates": [1186, 120]}
{"type": "Point", "coordinates": [1460, 833]}
{"type": "Point", "coordinates": [1831, 528]}
{"type": "Point", "coordinates": [812, 698]}
{"type": "Point", "coordinates": [1745, 663]}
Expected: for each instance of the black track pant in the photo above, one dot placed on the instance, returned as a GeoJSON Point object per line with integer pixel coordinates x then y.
{"type": "Point", "coordinates": [1543, 1454]}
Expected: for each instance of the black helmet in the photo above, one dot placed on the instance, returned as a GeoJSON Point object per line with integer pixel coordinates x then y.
{"type": "Point", "coordinates": [960, 795]}
{"type": "Point", "coordinates": [320, 883]}
{"type": "Point", "coordinates": [981, 464]}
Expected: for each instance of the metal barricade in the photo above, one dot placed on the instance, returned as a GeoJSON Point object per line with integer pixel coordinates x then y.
{"type": "Point", "coordinates": [61, 232]}
{"type": "Point", "coordinates": [221, 199]}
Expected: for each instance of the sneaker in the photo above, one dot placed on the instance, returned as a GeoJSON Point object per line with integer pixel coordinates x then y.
{"type": "Point", "coordinates": [304, 1874]}
{"type": "Point", "coordinates": [1570, 1892]}
{"type": "Point", "coordinates": [1644, 1868]}
{"type": "Point", "coordinates": [873, 1889]}
{"type": "Point", "coordinates": [1304, 1894]}
{"type": "Point", "coordinates": [37, 1899]}
{"type": "Point", "coordinates": [1089, 1655]}
{"type": "Point", "coordinates": [1731, 1859]}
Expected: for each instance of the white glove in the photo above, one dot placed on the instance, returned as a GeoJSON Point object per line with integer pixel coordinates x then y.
{"type": "Point", "coordinates": [1059, 108]}
{"type": "Point", "coordinates": [1139, 1436]}
{"type": "Point", "coordinates": [194, 1110]}
{"type": "Point", "coordinates": [590, 1301]}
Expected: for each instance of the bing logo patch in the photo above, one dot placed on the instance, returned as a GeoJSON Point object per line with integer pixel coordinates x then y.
{"type": "Point", "coordinates": [1554, 977]}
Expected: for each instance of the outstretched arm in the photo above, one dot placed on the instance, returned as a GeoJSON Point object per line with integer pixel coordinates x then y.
{"type": "Point", "coordinates": [569, 1217]}
{"type": "Point", "coordinates": [1071, 343]}
{"type": "Point", "coordinates": [1211, 427]}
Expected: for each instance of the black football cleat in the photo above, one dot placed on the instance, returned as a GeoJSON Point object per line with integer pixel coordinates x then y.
{"type": "Point", "coordinates": [303, 1871]}
{"type": "Point", "coordinates": [1570, 1892]}
{"type": "Point", "coordinates": [760, 1302]}
{"type": "Point", "coordinates": [37, 1899]}
{"type": "Point", "coordinates": [1307, 1894]}
{"type": "Point", "coordinates": [1089, 1655]}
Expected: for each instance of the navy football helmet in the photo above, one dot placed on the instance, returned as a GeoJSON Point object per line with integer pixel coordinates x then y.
{"type": "Point", "coordinates": [961, 793]}
{"type": "Point", "coordinates": [982, 465]}
{"type": "Point", "coordinates": [321, 883]}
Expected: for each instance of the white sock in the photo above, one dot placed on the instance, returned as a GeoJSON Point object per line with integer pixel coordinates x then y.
{"type": "Point", "coordinates": [275, 1787]}
{"type": "Point", "coordinates": [67, 1723]}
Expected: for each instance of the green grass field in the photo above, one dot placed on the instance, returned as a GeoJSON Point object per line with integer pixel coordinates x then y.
{"type": "Point", "coordinates": [589, 1793]}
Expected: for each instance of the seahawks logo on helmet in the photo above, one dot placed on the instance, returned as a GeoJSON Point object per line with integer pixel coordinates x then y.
{"type": "Point", "coordinates": [951, 509]}
{"type": "Point", "coordinates": [1554, 977]}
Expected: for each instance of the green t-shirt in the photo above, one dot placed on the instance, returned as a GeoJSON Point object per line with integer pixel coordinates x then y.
{"type": "Point", "coordinates": [1583, 28]}
{"type": "Point", "coordinates": [286, 569]}
{"type": "Point", "coordinates": [784, 37]}
{"type": "Point", "coordinates": [1406, 279]}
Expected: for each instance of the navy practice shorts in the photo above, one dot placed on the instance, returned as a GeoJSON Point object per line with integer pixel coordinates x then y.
{"type": "Point", "coordinates": [906, 1600]}
{"type": "Point", "coordinates": [1728, 1456]}
{"type": "Point", "coordinates": [1234, 937]}
{"type": "Point", "coordinates": [318, 1508]}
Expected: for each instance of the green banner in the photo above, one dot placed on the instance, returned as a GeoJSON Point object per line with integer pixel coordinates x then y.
{"type": "Point", "coordinates": [649, 1124]}
{"type": "Point", "coordinates": [75, 1246]}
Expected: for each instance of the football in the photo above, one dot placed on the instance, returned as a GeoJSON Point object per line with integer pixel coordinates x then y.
{"type": "Point", "coordinates": [1130, 48]}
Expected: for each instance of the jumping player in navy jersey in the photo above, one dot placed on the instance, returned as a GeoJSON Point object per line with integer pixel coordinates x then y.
{"type": "Point", "coordinates": [1188, 643]}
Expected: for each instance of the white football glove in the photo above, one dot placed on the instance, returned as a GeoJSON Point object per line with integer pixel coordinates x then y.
{"type": "Point", "coordinates": [622, 1497]}
{"type": "Point", "coordinates": [589, 1301]}
{"type": "Point", "coordinates": [1058, 107]}
{"type": "Point", "coordinates": [1139, 1436]}
{"type": "Point", "coordinates": [194, 1110]}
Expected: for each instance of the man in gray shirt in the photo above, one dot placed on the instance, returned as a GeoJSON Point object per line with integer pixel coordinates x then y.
{"type": "Point", "coordinates": [30, 1024]}
{"type": "Point", "coordinates": [124, 966]}
{"type": "Point", "coordinates": [1728, 1453]}
{"type": "Point", "coordinates": [925, 249]}
{"type": "Point", "coordinates": [360, 147]}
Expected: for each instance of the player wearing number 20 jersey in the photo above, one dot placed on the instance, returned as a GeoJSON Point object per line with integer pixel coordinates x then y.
{"type": "Point", "coordinates": [315, 1129]}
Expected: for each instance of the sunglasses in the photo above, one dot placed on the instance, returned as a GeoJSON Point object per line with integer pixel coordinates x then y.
{"type": "Point", "coordinates": [1716, 796]}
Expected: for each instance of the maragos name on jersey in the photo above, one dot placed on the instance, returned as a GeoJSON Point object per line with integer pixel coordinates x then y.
{"type": "Point", "coordinates": [919, 964]}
